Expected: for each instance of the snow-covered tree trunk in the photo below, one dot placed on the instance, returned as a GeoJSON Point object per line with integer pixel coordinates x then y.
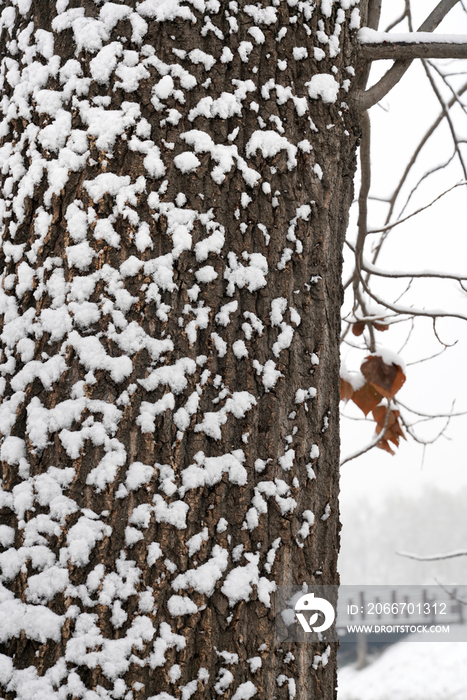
{"type": "Point", "coordinates": [176, 178]}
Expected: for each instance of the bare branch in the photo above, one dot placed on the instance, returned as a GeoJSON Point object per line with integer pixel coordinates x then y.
{"type": "Point", "coordinates": [434, 557]}
{"type": "Point", "coordinates": [409, 336]}
{"type": "Point", "coordinates": [398, 274]}
{"type": "Point", "coordinates": [376, 440]}
{"type": "Point", "coordinates": [451, 594]}
{"type": "Point", "coordinates": [426, 175]}
{"type": "Point", "coordinates": [426, 359]}
{"type": "Point", "coordinates": [374, 13]}
{"type": "Point", "coordinates": [441, 342]}
{"type": "Point", "coordinates": [420, 440]}
{"type": "Point", "coordinates": [418, 150]}
{"type": "Point", "coordinates": [435, 18]}
{"type": "Point", "coordinates": [365, 100]}
{"type": "Point", "coordinates": [396, 21]}
{"type": "Point", "coordinates": [451, 414]}
{"type": "Point", "coordinates": [372, 21]}
{"type": "Point", "coordinates": [365, 163]}
{"type": "Point", "coordinates": [447, 115]}
{"type": "Point", "coordinates": [397, 50]}
{"type": "Point", "coordinates": [444, 77]}
{"type": "Point", "coordinates": [427, 206]}
{"type": "Point", "coordinates": [410, 311]}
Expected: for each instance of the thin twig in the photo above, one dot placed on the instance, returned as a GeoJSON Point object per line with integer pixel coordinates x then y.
{"type": "Point", "coordinates": [418, 211]}
{"type": "Point", "coordinates": [417, 152]}
{"type": "Point", "coordinates": [434, 557]}
{"type": "Point", "coordinates": [376, 440]}
{"type": "Point", "coordinates": [430, 415]}
{"type": "Point", "coordinates": [426, 175]}
{"type": "Point", "coordinates": [447, 115]}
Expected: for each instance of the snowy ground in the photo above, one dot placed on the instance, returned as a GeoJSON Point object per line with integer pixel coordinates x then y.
{"type": "Point", "coordinates": [410, 671]}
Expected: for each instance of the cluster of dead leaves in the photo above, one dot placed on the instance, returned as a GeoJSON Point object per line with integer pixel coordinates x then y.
{"type": "Point", "coordinates": [381, 381]}
{"type": "Point", "coordinates": [359, 326]}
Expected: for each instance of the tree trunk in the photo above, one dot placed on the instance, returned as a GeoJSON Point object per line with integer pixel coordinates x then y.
{"type": "Point", "coordinates": [176, 180]}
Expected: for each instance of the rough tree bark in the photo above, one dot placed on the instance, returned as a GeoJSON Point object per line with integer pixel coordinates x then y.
{"type": "Point", "coordinates": [176, 180]}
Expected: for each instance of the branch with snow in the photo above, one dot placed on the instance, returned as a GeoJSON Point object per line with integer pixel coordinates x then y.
{"type": "Point", "coordinates": [434, 557]}
{"type": "Point", "coordinates": [384, 45]}
{"type": "Point", "coordinates": [366, 99]}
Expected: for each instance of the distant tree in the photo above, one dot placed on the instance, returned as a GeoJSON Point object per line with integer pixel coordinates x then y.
{"type": "Point", "coordinates": [370, 549]}
{"type": "Point", "coordinates": [176, 182]}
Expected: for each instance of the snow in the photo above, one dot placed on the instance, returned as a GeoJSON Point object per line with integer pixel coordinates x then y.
{"type": "Point", "coordinates": [220, 344]}
{"type": "Point", "coordinates": [164, 88]}
{"type": "Point", "coordinates": [226, 55]}
{"type": "Point", "coordinates": [300, 53]}
{"type": "Point", "coordinates": [238, 582]}
{"type": "Point", "coordinates": [173, 376]}
{"type": "Point", "coordinates": [284, 339]}
{"type": "Point", "coordinates": [181, 605]}
{"type": "Point", "coordinates": [209, 470]}
{"type": "Point", "coordinates": [187, 162]}
{"type": "Point", "coordinates": [197, 56]}
{"type": "Point", "coordinates": [173, 513]}
{"type": "Point", "coordinates": [302, 395]}
{"type": "Point", "coordinates": [204, 578]}
{"type": "Point", "coordinates": [252, 276]}
{"type": "Point", "coordinates": [255, 663]}
{"type": "Point", "coordinates": [163, 10]}
{"type": "Point", "coordinates": [261, 15]}
{"type": "Point", "coordinates": [7, 536]}
{"type": "Point", "coordinates": [308, 520]}
{"type": "Point", "coordinates": [92, 356]}
{"type": "Point", "coordinates": [154, 553]}
{"type": "Point", "coordinates": [278, 307]}
{"type": "Point", "coordinates": [223, 316]}
{"type": "Point", "coordinates": [270, 143]}
{"type": "Point", "coordinates": [239, 404]}
{"type": "Point", "coordinates": [222, 525]}
{"type": "Point", "coordinates": [239, 349]}
{"type": "Point", "coordinates": [257, 34]}
{"type": "Point", "coordinates": [104, 63]}
{"type": "Point", "coordinates": [142, 241]}
{"type": "Point", "coordinates": [36, 621]}
{"type": "Point", "coordinates": [419, 671]}
{"type": "Point", "coordinates": [245, 691]}
{"type": "Point", "coordinates": [225, 678]}
{"type": "Point", "coordinates": [325, 86]}
{"type": "Point", "coordinates": [370, 36]}
{"type": "Point", "coordinates": [194, 543]}
{"type": "Point", "coordinates": [244, 50]}
{"type": "Point", "coordinates": [390, 357]}
{"type": "Point", "coordinates": [206, 274]}
{"type": "Point", "coordinates": [287, 460]}
{"type": "Point", "coordinates": [225, 156]}
{"type": "Point", "coordinates": [80, 255]}
{"type": "Point", "coordinates": [82, 538]}
{"type": "Point", "coordinates": [106, 182]}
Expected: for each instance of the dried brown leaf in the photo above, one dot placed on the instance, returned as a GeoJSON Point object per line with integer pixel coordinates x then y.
{"type": "Point", "coordinates": [386, 379]}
